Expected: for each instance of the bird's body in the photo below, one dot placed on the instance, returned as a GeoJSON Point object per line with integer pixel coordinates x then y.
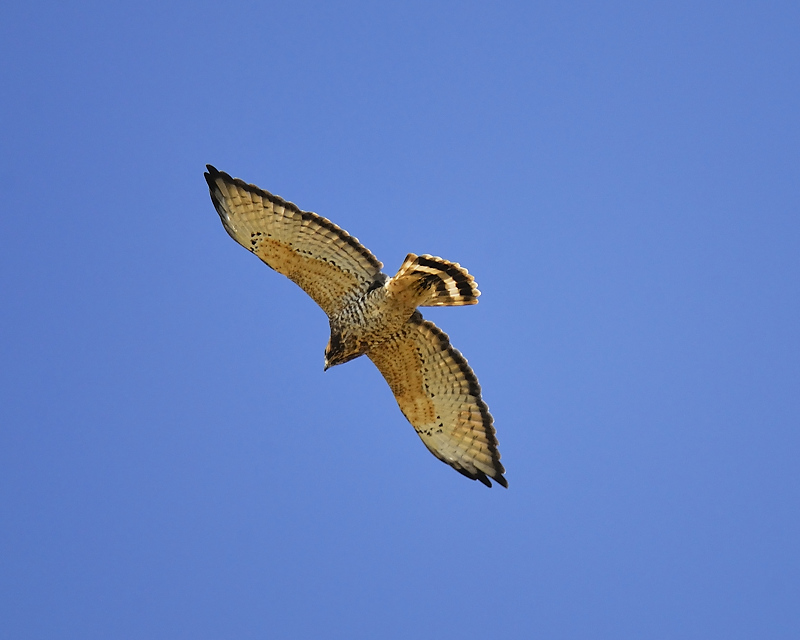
{"type": "Point", "coordinates": [374, 315]}
{"type": "Point", "coordinates": [365, 322]}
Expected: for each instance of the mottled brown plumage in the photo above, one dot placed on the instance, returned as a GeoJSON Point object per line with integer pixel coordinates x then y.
{"type": "Point", "coordinates": [374, 315]}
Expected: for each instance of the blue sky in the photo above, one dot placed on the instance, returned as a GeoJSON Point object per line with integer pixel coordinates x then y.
{"type": "Point", "coordinates": [623, 180]}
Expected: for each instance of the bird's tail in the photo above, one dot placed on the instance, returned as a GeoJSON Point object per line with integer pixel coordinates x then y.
{"type": "Point", "coordinates": [434, 282]}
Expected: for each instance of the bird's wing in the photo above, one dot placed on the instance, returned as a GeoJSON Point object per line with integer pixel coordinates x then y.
{"type": "Point", "coordinates": [328, 263]}
{"type": "Point", "coordinates": [440, 395]}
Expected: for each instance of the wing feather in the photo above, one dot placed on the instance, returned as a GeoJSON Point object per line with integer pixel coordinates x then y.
{"type": "Point", "coordinates": [328, 263]}
{"type": "Point", "coordinates": [440, 396]}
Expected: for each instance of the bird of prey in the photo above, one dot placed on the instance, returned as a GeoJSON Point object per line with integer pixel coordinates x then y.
{"type": "Point", "coordinates": [374, 315]}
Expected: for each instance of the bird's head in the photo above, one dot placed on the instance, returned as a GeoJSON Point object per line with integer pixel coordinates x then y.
{"type": "Point", "coordinates": [340, 349]}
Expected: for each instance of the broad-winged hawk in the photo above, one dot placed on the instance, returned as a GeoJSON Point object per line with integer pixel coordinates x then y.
{"type": "Point", "coordinates": [374, 315]}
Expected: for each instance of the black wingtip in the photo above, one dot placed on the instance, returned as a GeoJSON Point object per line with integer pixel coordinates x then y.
{"type": "Point", "coordinates": [211, 177]}
{"type": "Point", "coordinates": [481, 477]}
{"type": "Point", "coordinates": [211, 174]}
{"type": "Point", "coordinates": [487, 480]}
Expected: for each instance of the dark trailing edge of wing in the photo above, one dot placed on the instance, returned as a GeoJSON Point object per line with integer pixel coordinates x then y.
{"type": "Point", "coordinates": [475, 391]}
{"type": "Point", "coordinates": [213, 172]}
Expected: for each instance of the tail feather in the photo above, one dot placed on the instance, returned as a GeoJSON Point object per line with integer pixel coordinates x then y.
{"type": "Point", "coordinates": [435, 282]}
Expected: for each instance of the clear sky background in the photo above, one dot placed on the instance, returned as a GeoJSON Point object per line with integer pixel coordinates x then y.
{"type": "Point", "coordinates": [623, 180]}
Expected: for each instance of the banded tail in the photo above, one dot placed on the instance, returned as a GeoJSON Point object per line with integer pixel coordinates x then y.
{"type": "Point", "coordinates": [434, 282]}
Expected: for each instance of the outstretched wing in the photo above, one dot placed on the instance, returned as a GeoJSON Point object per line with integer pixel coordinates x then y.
{"type": "Point", "coordinates": [328, 263]}
{"type": "Point", "coordinates": [440, 395]}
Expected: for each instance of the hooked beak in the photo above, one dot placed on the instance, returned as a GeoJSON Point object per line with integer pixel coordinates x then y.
{"type": "Point", "coordinates": [327, 366]}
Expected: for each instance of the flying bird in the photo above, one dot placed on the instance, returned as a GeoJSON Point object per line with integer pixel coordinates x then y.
{"type": "Point", "coordinates": [374, 315]}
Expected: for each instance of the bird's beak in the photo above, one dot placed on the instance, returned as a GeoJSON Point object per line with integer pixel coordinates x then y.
{"type": "Point", "coordinates": [327, 366]}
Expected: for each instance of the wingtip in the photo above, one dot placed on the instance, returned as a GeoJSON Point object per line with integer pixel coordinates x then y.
{"type": "Point", "coordinates": [210, 175]}
{"type": "Point", "coordinates": [499, 479]}
{"type": "Point", "coordinates": [485, 479]}
{"type": "Point", "coordinates": [213, 174]}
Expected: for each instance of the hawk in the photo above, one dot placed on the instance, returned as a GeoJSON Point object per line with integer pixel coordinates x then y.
{"type": "Point", "coordinates": [374, 315]}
